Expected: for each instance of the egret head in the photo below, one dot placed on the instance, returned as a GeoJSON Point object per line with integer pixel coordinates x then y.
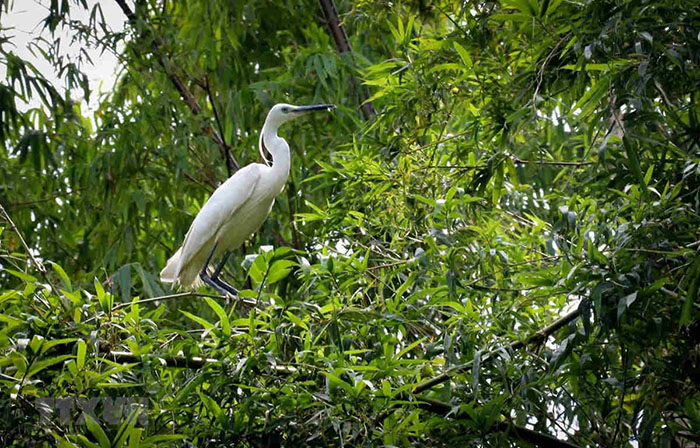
{"type": "Point", "coordinates": [282, 112]}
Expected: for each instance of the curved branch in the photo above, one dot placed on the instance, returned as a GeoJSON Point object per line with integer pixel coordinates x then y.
{"type": "Point", "coordinates": [515, 345]}
{"type": "Point", "coordinates": [185, 93]}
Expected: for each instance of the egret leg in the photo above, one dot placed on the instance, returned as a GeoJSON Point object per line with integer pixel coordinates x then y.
{"type": "Point", "coordinates": [221, 265]}
{"type": "Point", "coordinates": [214, 281]}
{"type": "Point", "coordinates": [220, 282]}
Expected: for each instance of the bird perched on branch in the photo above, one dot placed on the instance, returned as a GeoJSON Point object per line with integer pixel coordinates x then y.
{"type": "Point", "coordinates": [237, 208]}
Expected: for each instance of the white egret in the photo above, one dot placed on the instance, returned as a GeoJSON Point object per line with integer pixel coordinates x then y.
{"type": "Point", "coordinates": [237, 208]}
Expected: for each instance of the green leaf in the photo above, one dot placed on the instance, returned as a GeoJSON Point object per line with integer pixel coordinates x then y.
{"type": "Point", "coordinates": [648, 175]}
{"type": "Point", "coordinates": [50, 344]}
{"type": "Point", "coordinates": [497, 184]}
{"type": "Point", "coordinates": [409, 348]}
{"type": "Point", "coordinates": [464, 55]}
{"type": "Point", "coordinates": [223, 317]}
{"type": "Point", "coordinates": [135, 437]}
{"type": "Point", "coordinates": [694, 274]}
{"type": "Point", "coordinates": [96, 431]}
{"type": "Point", "coordinates": [386, 388]}
{"type": "Point", "coordinates": [214, 408]}
{"type": "Point", "coordinates": [62, 274]}
{"type": "Point", "coordinates": [85, 442]}
{"type": "Point", "coordinates": [157, 439]}
{"type": "Point", "coordinates": [80, 358]}
{"type": "Point", "coordinates": [104, 299]}
{"type": "Point", "coordinates": [206, 324]}
{"type": "Point", "coordinates": [125, 429]}
{"type": "Point", "coordinates": [633, 161]}
{"type": "Point", "coordinates": [257, 269]}
{"type": "Point", "coordinates": [625, 303]}
{"type": "Point", "coordinates": [21, 275]}
{"type": "Point", "coordinates": [123, 281]}
{"type": "Point", "coordinates": [39, 366]}
{"type": "Point", "coordinates": [476, 369]}
{"type": "Point", "coordinates": [595, 255]}
{"type": "Point", "coordinates": [337, 381]}
{"type": "Point", "coordinates": [279, 270]}
{"type": "Point", "coordinates": [397, 35]}
{"type": "Point", "coordinates": [590, 99]}
{"type": "Point", "coordinates": [149, 282]}
{"type": "Point", "coordinates": [298, 322]}
{"type": "Point", "coordinates": [36, 343]}
{"type": "Point", "coordinates": [446, 67]}
{"type": "Point", "coordinates": [524, 6]}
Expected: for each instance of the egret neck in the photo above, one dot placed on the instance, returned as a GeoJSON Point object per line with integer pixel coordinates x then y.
{"type": "Point", "coordinates": [278, 149]}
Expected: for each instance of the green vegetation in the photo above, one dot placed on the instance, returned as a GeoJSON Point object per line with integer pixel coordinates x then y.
{"type": "Point", "coordinates": [505, 253]}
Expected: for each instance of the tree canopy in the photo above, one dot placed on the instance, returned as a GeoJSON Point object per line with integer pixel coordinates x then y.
{"type": "Point", "coordinates": [494, 240]}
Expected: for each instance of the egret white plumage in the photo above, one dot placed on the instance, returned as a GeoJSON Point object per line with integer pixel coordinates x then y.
{"type": "Point", "coordinates": [237, 208]}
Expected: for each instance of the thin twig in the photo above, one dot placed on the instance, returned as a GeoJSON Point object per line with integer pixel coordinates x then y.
{"type": "Point", "coordinates": [446, 139]}
{"type": "Point", "coordinates": [167, 297]}
{"type": "Point", "coordinates": [453, 167]}
{"type": "Point", "coordinates": [388, 265]}
{"type": "Point", "coordinates": [551, 162]}
{"type": "Point", "coordinates": [208, 187]}
{"type": "Point", "coordinates": [540, 74]}
{"type": "Point", "coordinates": [176, 361]}
{"type": "Point", "coordinates": [48, 199]}
{"type": "Point", "coordinates": [37, 264]}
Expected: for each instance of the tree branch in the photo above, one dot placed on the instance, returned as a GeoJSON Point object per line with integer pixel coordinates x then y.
{"type": "Point", "coordinates": [177, 296]}
{"type": "Point", "coordinates": [515, 345]}
{"type": "Point", "coordinates": [220, 125]}
{"type": "Point", "coordinates": [193, 362]}
{"type": "Point", "coordinates": [337, 32]}
{"type": "Point", "coordinates": [176, 361]}
{"type": "Point", "coordinates": [46, 199]}
{"type": "Point", "coordinates": [515, 160]}
{"type": "Point", "coordinates": [552, 162]}
{"type": "Point", "coordinates": [185, 93]}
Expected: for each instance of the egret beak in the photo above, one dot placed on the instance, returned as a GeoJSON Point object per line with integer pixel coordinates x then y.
{"type": "Point", "coordinates": [305, 109]}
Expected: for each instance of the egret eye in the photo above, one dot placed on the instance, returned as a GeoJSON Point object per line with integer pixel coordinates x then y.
{"type": "Point", "coordinates": [285, 110]}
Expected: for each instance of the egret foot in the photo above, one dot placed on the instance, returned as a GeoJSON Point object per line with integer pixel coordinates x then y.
{"type": "Point", "coordinates": [214, 281]}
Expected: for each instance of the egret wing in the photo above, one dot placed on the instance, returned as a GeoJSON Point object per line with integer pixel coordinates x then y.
{"type": "Point", "coordinates": [218, 209]}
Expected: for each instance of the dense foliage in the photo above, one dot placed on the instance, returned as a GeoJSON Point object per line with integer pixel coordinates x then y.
{"type": "Point", "coordinates": [506, 253]}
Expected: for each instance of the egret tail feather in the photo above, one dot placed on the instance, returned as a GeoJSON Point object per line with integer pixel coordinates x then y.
{"type": "Point", "coordinates": [169, 272]}
{"type": "Point", "coordinates": [189, 276]}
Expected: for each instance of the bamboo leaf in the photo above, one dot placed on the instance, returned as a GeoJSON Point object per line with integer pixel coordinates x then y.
{"type": "Point", "coordinates": [223, 317]}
